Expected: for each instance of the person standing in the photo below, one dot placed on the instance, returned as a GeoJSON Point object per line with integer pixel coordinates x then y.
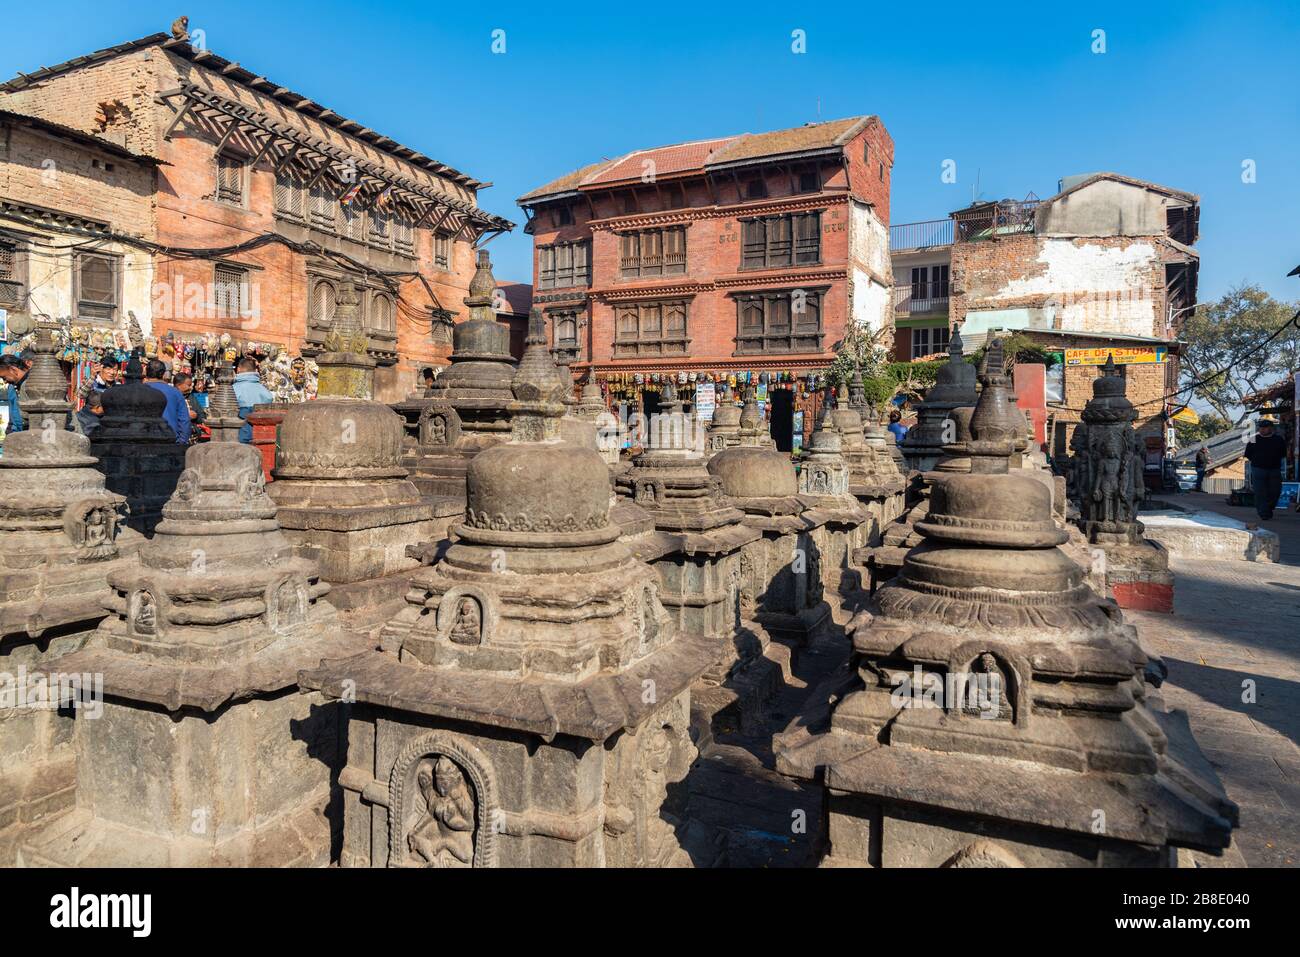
{"type": "Point", "coordinates": [13, 370]}
{"type": "Point", "coordinates": [249, 392]}
{"type": "Point", "coordinates": [177, 413]}
{"type": "Point", "coordinates": [1202, 465]}
{"type": "Point", "coordinates": [1266, 452]}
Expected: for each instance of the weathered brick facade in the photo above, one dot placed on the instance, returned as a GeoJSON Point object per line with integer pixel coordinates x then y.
{"type": "Point", "coordinates": [1108, 261]}
{"type": "Point", "coordinates": [125, 95]}
{"type": "Point", "coordinates": [53, 176]}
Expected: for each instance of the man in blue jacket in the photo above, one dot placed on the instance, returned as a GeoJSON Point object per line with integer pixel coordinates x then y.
{"type": "Point", "coordinates": [177, 412]}
{"type": "Point", "coordinates": [249, 392]}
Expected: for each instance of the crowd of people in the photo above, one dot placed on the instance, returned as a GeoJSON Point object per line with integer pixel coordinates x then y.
{"type": "Point", "coordinates": [186, 409]}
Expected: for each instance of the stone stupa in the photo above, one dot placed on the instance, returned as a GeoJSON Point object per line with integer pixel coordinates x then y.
{"type": "Point", "coordinates": [954, 387]}
{"type": "Point", "coordinates": [343, 495]}
{"type": "Point", "coordinates": [63, 536]}
{"type": "Point", "coordinates": [465, 411]}
{"type": "Point", "coordinates": [724, 426]}
{"type": "Point", "coordinates": [994, 712]}
{"type": "Point", "coordinates": [505, 721]}
{"type": "Point", "coordinates": [202, 755]}
{"type": "Point", "coordinates": [136, 449]}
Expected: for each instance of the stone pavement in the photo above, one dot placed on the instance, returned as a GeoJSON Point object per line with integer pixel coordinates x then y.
{"type": "Point", "coordinates": [1233, 651]}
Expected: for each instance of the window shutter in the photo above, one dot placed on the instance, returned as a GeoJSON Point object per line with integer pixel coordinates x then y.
{"type": "Point", "coordinates": [97, 285]}
{"type": "Point", "coordinates": [228, 287]}
{"type": "Point", "coordinates": [230, 179]}
{"type": "Point", "coordinates": [779, 241]}
{"type": "Point", "coordinates": [809, 238]}
{"type": "Point", "coordinates": [754, 243]}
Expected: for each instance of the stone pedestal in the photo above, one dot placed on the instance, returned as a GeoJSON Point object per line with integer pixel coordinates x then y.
{"type": "Point", "coordinates": [344, 497]}
{"type": "Point", "coordinates": [198, 753]}
{"type": "Point", "coordinates": [265, 421]}
{"type": "Point", "coordinates": [529, 706]}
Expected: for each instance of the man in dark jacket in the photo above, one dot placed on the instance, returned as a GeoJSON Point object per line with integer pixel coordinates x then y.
{"type": "Point", "coordinates": [1266, 453]}
{"type": "Point", "coordinates": [86, 421]}
{"type": "Point", "coordinates": [176, 414]}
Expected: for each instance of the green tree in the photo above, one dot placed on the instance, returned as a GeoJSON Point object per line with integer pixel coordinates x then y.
{"type": "Point", "coordinates": [1189, 433]}
{"type": "Point", "coordinates": [1229, 332]}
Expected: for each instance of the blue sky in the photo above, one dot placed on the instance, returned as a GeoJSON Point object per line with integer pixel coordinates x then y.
{"type": "Point", "coordinates": [1183, 94]}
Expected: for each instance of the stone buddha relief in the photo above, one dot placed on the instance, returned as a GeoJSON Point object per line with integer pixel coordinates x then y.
{"type": "Point", "coordinates": [467, 626]}
{"type": "Point", "coordinates": [442, 805]}
{"type": "Point", "coordinates": [250, 483]}
{"type": "Point", "coordinates": [439, 426]}
{"type": "Point", "coordinates": [187, 486]}
{"type": "Point", "coordinates": [464, 617]}
{"type": "Point", "coordinates": [989, 690]}
{"type": "Point", "coordinates": [286, 605]}
{"type": "Point", "coordinates": [144, 613]}
{"type": "Point", "coordinates": [92, 524]}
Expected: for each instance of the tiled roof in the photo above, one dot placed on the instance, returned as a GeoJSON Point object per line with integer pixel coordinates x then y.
{"type": "Point", "coordinates": [255, 81]}
{"type": "Point", "coordinates": [705, 154]}
{"type": "Point", "coordinates": [666, 161]}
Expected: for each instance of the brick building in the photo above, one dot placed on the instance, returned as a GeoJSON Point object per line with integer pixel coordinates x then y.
{"type": "Point", "coordinates": [1106, 265]}
{"type": "Point", "coordinates": [283, 198]}
{"type": "Point", "coordinates": [65, 198]}
{"type": "Point", "coordinates": [749, 256]}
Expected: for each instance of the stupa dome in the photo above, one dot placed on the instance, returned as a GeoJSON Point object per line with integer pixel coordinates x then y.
{"type": "Point", "coordinates": [538, 487]}
{"type": "Point", "coordinates": [344, 438]}
{"type": "Point", "coordinates": [750, 471]}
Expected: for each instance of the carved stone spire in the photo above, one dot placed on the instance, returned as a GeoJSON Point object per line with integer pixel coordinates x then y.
{"type": "Point", "coordinates": [43, 397]}
{"type": "Point", "coordinates": [223, 407]}
{"type": "Point", "coordinates": [346, 370]}
{"type": "Point", "coordinates": [996, 424]}
{"type": "Point", "coordinates": [538, 388]}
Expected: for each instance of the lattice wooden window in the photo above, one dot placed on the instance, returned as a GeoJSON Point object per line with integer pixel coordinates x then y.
{"type": "Point", "coordinates": [12, 292]}
{"type": "Point", "coordinates": [775, 241]}
{"type": "Point", "coordinates": [650, 329]}
{"type": "Point", "coordinates": [653, 252]}
{"type": "Point", "coordinates": [379, 231]}
{"type": "Point", "coordinates": [97, 286]}
{"type": "Point", "coordinates": [354, 222]}
{"type": "Point", "coordinates": [441, 251]}
{"type": "Point", "coordinates": [403, 234]}
{"type": "Point", "coordinates": [230, 179]}
{"type": "Point", "coordinates": [564, 265]}
{"type": "Point", "coordinates": [230, 291]}
{"type": "Point", "coordinates": [779, 322]}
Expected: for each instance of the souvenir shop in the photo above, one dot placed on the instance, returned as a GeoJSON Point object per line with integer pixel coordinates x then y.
{"type": "Point", "coordinates": [791, 401]}
{"type": "Point", "coordinates": [291, 378]}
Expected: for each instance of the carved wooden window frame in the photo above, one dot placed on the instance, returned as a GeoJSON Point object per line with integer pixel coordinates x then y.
{"type": "Point", "coordinates": [779, 330]}
{"type": "Point", "coordinates": [643, 328]}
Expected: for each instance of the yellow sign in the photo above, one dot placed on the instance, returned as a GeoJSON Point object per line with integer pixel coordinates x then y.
{"type": "Point", "coordinates": [1186, 414]}
{"type": "Point", "coordinates": [1124, 356]}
